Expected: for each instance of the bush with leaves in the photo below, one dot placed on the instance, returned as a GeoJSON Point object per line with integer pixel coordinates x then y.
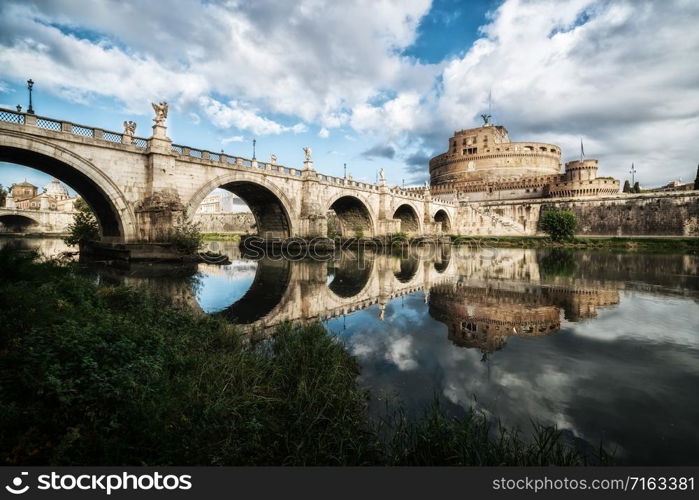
{"type": "Point", "coordinates": [84, 228]}
{"type": "Point", "coordinates": [560, 225]}
{"type": "Point", "coordinates": [187, 237]}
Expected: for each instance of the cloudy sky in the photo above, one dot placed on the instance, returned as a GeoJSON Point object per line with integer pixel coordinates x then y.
{"type": "Point", "coordinates": [370, 83]}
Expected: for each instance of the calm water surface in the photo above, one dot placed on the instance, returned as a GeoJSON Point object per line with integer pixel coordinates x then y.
{"type": "Point", "coordinates": [604, 345]}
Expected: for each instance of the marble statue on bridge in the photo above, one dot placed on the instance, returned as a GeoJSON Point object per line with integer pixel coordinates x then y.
{"type": "Point", "coordinates": [160, 112]}
{"type": "Point", "coordinates": [129, 128]}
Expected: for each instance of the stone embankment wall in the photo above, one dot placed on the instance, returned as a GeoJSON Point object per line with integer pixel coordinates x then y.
{"type": "Point", "coordinates": [645, 214]}
{"type": "Point", "coordinates": [223, 222]}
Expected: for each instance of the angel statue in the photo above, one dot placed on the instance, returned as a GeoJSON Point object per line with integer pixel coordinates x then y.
{"type": "Point", "coordinates": [160, 112]}
{"type": "Point", "coordinates": [308, 152]}
{"type": "Point", "coordinates": [273, 159]}
{"type": "Point", "coordinates": [129, 128]}
{"type": "Point", "coordinates": [382, 175]}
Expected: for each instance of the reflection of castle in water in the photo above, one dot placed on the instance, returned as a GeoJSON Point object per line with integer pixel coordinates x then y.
{"type": "Point", "coordinates": [485, 316]}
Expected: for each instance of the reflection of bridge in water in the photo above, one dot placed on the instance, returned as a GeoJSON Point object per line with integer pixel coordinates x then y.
{"type": "Point", "coordinates": [307, 291]}
{"type": "Point", "coordinates": [482, 296]}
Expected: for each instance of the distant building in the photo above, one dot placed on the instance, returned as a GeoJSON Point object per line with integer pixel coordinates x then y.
{"type": "Point", "coordinates": [484, 164]}
{"type": "Point", "coordinates": [222, 203]}
{"type": "Point", "coordinates": [55, 196]}
{"type": "Point", "coordinates": [23, 191]}
{"type": "Point", "coordinates": [673, 186]}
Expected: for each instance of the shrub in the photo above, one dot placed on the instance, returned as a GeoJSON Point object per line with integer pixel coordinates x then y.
{"type": "Point", "coordinates": [398, 238]}
{"type": "Point", "coordinates": [84, 228]}
{"type": "Point", "coordinates": [186, 237]}
{"type": "Point", "coordinates": [560, 225]}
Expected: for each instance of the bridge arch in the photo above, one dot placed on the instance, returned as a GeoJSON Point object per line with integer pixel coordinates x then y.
{"type": "Point", "coordinates": [353, 214]}
{"type": "Point", "coordinates": [16, 223]}
{"type": "Point", "coordinates": [269, 205]}
{"type": "Point", "coordinates": [116, 220]}
{"type": "Point", "coordinates": [442, 216]}
{"type": "Point", "coordinates": [409, 219]}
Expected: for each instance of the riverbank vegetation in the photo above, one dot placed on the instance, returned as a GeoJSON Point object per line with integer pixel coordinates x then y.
{"type": "Point", "coordinates": [644, 244]}
{"type": "Point", "coordinates": [95, 374]}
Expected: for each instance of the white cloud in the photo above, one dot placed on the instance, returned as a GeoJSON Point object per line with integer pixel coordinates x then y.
{"type": "Point", "coordinates": [234, 114]}
{"type": "Point", "coordinates": [234, 138]}
{"type": "Point", "coordinates": [616, 73]}
{"type": "Point", "coordinates": [324, 133]}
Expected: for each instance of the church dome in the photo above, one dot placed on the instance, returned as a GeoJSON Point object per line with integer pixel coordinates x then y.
{"type": "Point", "coordinates": [56, 189]}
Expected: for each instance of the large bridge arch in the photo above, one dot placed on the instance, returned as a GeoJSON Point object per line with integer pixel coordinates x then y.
{"type": "Point", "coordinates": [271, 208]}
{"type": "Point", "coordinates": [409, 218]}
{"type": "Point", "coordinates": [354, 213]}
{"type": "Point", "coordinates": [117, 221]}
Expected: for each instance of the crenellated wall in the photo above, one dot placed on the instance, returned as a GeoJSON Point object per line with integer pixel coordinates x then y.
{"type": "Point", "coordinates": [645, 214]}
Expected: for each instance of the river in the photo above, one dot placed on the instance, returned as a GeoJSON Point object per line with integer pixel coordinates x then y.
{"type": "Point", "coordinates": [605, 345]}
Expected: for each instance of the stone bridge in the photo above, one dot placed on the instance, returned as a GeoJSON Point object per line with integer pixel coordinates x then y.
{"type": "Point", "coordinates": [140, 188]}
{"type": "Point", "coordinates": [16, 220]}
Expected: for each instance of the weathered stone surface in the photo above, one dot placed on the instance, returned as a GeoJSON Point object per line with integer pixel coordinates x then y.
{"type": "Point", "coordinates": [243, 222]}
{"type": "Point", "coordinates": [140, 188]}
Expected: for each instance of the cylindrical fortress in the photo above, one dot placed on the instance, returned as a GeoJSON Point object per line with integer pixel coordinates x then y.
{"type": "Point", "coordinates": [486, 153]}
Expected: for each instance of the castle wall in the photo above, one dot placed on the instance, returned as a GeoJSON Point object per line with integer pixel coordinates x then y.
{"type": "Point", "coordinates": [645, 214]}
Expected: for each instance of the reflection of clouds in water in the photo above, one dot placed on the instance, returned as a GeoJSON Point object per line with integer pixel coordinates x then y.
{"type": "Point", "coordinates": [221, 286]}
{"type": "Point", "coordinates": [647, 318]}
{"type": "Point", "coordinates": [602, 378]}
{"type": "Point", "coordinates": [400, 353]}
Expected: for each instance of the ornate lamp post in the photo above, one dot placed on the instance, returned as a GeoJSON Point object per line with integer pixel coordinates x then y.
{"type": "Point", "coordinates": [254, 141]}
{"type": "Point", "coordinates": [30, 86]}
{"type": "Point", "coordinates": [345, 165]}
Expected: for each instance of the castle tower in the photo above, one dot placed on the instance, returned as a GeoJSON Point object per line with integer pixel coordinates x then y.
{"type": "Point", "coordinates": [577, 170]}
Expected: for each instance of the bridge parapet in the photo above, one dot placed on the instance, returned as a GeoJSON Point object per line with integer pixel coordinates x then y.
{"type": "Point", "coordinates": [61, 126]}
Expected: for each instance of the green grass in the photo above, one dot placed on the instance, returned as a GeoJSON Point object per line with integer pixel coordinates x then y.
{"type": "Point", "coordinates": [648, 244]}
{"type": "Point", "coordinates": [92, 374]}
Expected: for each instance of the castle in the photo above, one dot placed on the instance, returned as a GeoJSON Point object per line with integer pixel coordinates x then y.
{"type": "Point", "coordinates": [483, 164]}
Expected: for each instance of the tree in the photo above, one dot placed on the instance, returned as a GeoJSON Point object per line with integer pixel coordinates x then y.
{"type": "Point", "coordinates": [560, 225]}
{"type": "Point", "coordinates": [636, 187]}
{"type": "Point", "coordinates": [696, 180]}
{"type": "Point", "coordinates": [627, 186]}
{"type": "Point", "coordinates": [84, 228]}
{"type": "Point", "coordinates": [3, 195]}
